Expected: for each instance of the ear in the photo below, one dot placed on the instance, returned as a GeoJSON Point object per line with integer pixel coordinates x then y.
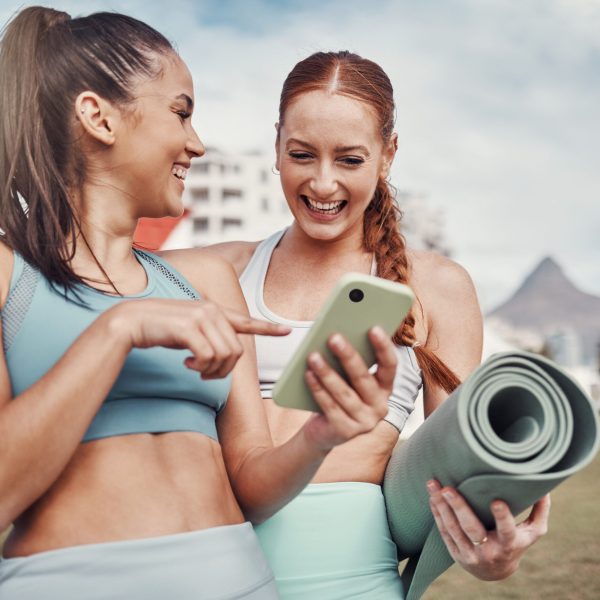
{"type": "Point", "coordinates": [389, 152]}
{"type": "Point", "coordinates": [97, 116]}
{"type": "Point", "coordinates": [277, 157]}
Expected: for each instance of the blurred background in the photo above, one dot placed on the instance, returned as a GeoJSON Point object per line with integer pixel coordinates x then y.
{"type": "Point", "coordinates": [498, 117]}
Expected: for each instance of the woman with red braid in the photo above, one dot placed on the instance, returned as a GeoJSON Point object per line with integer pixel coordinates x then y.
{"type": "Point", "coordinates": [335, 144]}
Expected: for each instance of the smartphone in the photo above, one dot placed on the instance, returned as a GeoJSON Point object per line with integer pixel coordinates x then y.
{"type": "Point", "coordinates": [357, 303]}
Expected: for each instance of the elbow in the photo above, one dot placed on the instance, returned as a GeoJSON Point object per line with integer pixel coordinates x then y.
{"type": "Point", "coordinates": [11, 505]}
{"type": "Point", "coordinates": [255, 513]}
{"type": "Point", "coordinates": [257, 518]}
{"type": "Point", "coordinates": [6, 517]}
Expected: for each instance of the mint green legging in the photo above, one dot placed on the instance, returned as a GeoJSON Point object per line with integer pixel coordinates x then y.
{"type": "Point", "coordinates": [332, 542]}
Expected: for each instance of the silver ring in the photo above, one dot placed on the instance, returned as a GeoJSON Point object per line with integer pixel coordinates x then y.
{"type": "Point", "coordinates": [480, 541]}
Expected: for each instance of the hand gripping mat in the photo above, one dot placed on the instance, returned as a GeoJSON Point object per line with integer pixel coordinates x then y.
{"type": "Point", "coordinates": [514, 430]}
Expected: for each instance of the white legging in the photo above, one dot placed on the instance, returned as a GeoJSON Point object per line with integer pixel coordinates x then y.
{"type": "Point", "coordinates": [224, 563]}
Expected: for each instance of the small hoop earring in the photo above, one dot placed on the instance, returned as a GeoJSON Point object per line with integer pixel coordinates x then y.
{"type": "Point", "coordinates": [274, 170]}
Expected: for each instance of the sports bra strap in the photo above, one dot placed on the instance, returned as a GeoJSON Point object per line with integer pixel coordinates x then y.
{"type": "Point", "coordinates": [169, 273]}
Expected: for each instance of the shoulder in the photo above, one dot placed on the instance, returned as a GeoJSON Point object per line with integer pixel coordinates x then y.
{"type": "Point", "coordinates": [6, 267]}
{"type": "Point", "coordinates": [446, 296]}
{"type": "Point", "coordinates": [433, 275]}
{"type": "Point", "coordinates": [211, 275]}
{"type": "Point", "coordinates": [238, 254]}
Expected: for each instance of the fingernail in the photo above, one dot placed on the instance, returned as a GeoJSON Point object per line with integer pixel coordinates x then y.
{"type": "Point", "coordinates": [431, 487]}
{"type": "Point", "coordinates": [448, 495]}
{"type": "Point", "coordinates": [337, 341]}
{"type": "Point", "coordinates": [378, 331]}
{"type": "Point", "coordinates": [497, 507]}
{"type": "Point", "coordinates": [315, 360]}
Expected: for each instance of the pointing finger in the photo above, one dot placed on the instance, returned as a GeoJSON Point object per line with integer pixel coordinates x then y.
{"type": "Point", "coordinates": [245, 324]}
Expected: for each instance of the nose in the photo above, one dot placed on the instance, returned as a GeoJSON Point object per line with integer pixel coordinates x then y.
{"type": "Point", "coordinates": [323, 183]}
{"type": "Point", "coordinates": [194, 145]}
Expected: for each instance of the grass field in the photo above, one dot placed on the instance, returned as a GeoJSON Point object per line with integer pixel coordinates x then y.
{"type": "Point", "coordinates": [564, 565]}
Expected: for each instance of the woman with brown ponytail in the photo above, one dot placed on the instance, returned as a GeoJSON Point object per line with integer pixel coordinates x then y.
{"type": "Point", "coordinates": [335, 144]}
{"type": "Point", "coordinates": [134, 445]}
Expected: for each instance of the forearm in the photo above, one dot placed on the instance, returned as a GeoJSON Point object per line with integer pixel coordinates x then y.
{"type": "Point", "coordinates": [41, 428]}
{"type": "Point", "coordinates": [269, 478]}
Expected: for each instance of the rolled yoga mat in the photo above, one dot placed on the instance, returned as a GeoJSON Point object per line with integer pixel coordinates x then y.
{"type": "Point", "coordinates": [514, 429]}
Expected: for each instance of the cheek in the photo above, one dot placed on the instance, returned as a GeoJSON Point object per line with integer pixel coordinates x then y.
{"type": "Point", "coordinates": [289, 183]}
{"type": "Point", "coordinates": [362, 187]}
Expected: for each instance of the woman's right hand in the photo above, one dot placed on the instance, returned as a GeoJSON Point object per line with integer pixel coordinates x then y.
{"type": "Point", "coordinates": [207, 330]}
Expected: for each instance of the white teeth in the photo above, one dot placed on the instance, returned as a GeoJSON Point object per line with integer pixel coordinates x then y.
{"type": "Point", "coordinates": [179, 172]}
{"type": "Point", "coordinates": [324, 206]}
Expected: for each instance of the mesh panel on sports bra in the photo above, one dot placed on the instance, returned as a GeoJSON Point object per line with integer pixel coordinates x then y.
{"type": "Point", "coordinates": [168, 275]}
{"type": "Point", "coordinates": [20, 297]}
{"type": "Point", "coordinates": [17, 304]}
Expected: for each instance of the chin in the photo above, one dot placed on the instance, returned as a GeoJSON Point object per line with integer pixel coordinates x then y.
{"type": "Point", "coordinates": [176, 211]}
{"type": "Point", "coordinates": [172, 208]}
{"type": "Point", "coordinates": [323, 231]}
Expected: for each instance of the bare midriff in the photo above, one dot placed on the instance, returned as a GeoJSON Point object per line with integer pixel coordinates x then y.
{"type": "Point", "coordinates": [362, 459]}
{"type": "Point", "coordinates": [130, 487]}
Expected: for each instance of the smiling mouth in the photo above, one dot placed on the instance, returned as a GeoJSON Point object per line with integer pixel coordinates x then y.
{"type": "Point", "coordinates": [324, 208]}
{"type": "Point", "coordinates": [179, 172]}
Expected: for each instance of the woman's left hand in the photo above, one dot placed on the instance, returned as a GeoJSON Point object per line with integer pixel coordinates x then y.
{"type": "Point", "coordinates": [488, 555]}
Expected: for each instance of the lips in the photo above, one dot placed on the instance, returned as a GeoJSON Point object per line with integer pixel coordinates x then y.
{"type": "Point", "coordinates": [324, 208]}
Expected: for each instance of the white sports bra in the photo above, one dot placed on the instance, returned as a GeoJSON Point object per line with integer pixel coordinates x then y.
{"type": "Point", "coordinates": [273, 353]}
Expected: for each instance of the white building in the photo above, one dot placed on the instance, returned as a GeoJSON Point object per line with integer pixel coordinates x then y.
{"type": "Point", "coordinates": [230, 197]}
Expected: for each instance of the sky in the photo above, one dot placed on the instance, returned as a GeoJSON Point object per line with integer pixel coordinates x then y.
{"type": "Point", "coordinates": [498, 108]}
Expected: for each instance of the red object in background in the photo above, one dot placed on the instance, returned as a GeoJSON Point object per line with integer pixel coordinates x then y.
{"type": "Point", "coordinates": [151, 234]}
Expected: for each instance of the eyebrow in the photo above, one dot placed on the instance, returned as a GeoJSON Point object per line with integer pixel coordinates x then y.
{"type": "Point", "coordinates": [360, 148]}
{"type": "Point", "coordinates": [188, 101]}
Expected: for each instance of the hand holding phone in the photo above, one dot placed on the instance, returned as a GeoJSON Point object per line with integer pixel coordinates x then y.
{"type": "Point", "coordinates": [357, 303]}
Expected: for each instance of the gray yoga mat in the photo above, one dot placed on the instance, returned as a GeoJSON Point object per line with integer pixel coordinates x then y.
{"type": "Point", "coordinates": [514, 429]}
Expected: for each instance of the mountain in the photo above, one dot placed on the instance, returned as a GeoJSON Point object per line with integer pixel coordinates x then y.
{"type": "Point", "coordinates": [548, 302]}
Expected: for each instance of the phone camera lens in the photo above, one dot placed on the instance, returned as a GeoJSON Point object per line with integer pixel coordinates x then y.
{"type": "Point", "coordinates": [356, 295]}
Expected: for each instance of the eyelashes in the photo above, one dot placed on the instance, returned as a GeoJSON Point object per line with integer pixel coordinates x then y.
{"type": "Point", "coordinates": [299, 155]}
{"type": "Point", "coordinates": [353, 161]}
{"type": "Point", "coordinates": [349, 161]}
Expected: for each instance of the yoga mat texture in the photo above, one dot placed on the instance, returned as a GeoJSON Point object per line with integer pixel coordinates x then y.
{"type": "Point", "coordinates": [514, 429]}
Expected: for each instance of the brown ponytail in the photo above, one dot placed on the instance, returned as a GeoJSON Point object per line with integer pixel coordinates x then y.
{"type": "Point", "coordinates": [46, 60]}
{"type": "Point", "coordinates": [351, 75]}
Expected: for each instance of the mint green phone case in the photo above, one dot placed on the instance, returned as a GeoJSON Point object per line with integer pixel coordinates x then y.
{"type": "Point", "coordinates": [384, 303]}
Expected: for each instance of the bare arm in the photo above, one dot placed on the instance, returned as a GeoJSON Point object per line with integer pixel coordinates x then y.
{"type": "Point", "coordinates": [265, 478]}
{"type": "Point", "coordinates": [455, 335]}
{"type": "Point", "coordinates": [36, 441]}
{"type": "Point", "coordinates": [454, 321]}
{"type": "Point", "coordinates": [35, 438]}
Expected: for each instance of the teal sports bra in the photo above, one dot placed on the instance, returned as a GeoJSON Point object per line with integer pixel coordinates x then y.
{"type": "Point", "coordinates": [154, 391]}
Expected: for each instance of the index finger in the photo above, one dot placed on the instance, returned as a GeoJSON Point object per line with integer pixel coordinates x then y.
{"type": "Point", "coordinates": [537, 522]}
{"type": "Point", "coordinates": [245, 324]}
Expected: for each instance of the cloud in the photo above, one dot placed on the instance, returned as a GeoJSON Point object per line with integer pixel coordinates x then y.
{"type": "Point", "coordinates": [498, 108]}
